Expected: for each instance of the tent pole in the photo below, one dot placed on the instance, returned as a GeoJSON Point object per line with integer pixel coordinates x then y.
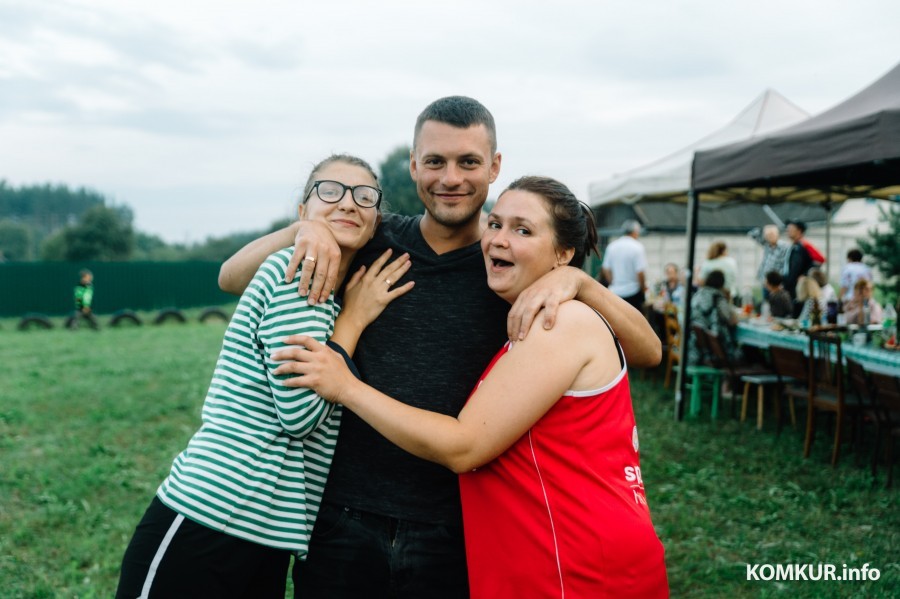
{"type": "Point", "coordinates": [827, 205]}
{"type": "Point", "coordinates": [681, 379]}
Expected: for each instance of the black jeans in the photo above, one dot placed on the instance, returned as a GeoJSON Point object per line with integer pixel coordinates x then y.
{"type": "Point", "coordinates": [356, 554]}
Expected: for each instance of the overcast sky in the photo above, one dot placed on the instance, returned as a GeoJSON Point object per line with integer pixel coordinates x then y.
{"type": "Point", "coordinates": [205, 116]}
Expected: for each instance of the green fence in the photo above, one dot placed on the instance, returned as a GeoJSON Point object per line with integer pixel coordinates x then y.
{"type": "Point", "coordinates": [47, 287]}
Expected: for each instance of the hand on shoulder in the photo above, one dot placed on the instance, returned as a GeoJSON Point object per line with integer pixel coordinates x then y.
{"type": "Point", "coordinates": [576, 323]}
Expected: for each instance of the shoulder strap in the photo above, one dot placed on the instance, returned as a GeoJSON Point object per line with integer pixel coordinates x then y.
{"type": "Point", "coordinates": [615, 339]}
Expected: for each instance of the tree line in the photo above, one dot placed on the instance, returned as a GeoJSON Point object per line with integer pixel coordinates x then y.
{"type": "Point", "coordinates": [60, 223]}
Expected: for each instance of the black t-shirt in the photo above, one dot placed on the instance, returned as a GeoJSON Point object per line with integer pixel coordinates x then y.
{"type": "Point", "coordinates": [799, 263]}
{"type": "Point", "coordinates": [427, 349]}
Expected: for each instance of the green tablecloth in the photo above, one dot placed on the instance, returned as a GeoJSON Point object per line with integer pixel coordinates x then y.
{"type": "Point", "coordinates": [872, 359]}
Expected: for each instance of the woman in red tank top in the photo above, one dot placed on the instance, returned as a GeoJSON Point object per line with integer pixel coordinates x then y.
{"type": "Point", "coordinates": [547, 448]}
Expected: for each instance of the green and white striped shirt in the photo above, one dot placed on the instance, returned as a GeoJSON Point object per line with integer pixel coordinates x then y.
{"type": "Point", "coordinates": [257, 467]}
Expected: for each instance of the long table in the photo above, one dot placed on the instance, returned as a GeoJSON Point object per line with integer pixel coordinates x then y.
{"type": "Point", "coordinates": [873, 359]}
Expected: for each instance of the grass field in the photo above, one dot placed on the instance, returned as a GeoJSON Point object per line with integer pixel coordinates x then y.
{"type": "Point", "coordinates": [90, 421]}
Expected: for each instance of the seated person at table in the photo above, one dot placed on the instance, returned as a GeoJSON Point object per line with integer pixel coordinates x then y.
{"type": "Point", "coordinates": [717, 258]}
{"type": "Point", "coordinates": [711, 310]}
{"type": "Point", "coordinates": [855, 308]}
{"type": "Point", "coordinates": [780, 304]}
{"type": "Point", "coordinates": [670, 290]}
{"type": "Point", "coordinates": [809, 294]}
{"type": "Point", "coordinates": [828, 293]}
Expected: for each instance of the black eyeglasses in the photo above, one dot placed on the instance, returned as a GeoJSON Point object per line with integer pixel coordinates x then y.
{"type": "Point", "coordinates": [331, 192]}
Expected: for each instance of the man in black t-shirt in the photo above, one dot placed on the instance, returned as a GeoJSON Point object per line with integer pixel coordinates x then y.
{"type": "Point", "coordinates": [390, 523]}
{"type": "Point", "coordinates": [798, 262]}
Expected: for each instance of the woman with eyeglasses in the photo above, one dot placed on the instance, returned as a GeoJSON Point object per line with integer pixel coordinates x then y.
{"type": "Point", "coordinates": [244, 495]}
{"type": "Point", "coordinates": [546, 446]}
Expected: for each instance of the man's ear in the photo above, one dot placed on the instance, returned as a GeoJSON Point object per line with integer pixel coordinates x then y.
{"type": "Point", "coordinates": [495, 166]}
{"type": "Point", "coordinates": [413, 165]}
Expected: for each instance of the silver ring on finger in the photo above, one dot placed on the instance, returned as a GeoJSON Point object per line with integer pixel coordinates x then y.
{"type": "Point", "coordinates": [388, 281]}
{"type": "Point", "coordinates": [310, 258]}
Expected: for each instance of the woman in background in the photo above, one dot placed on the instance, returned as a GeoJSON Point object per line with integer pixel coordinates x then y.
{"type": "Point", "coordinates": [809, 294]}
{"type": "Point", "coordinates": [828, 293]}
{"type": "Point", "coordinates": [861, 308]}
{"type": "Point", "coordinates": [717, 258]}
{"type": "Point", "coordinates": [711, 310]}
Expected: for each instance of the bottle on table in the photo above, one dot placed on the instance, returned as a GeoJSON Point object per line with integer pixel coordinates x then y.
{"type": "Point", "coordinates": [831, 314]}
{"type": "Point", "coordinates": [815, 314]}
{"type": "Point", "coordinates": [747, 301]}
{"type": "Point", "coordinates": [889, 325]}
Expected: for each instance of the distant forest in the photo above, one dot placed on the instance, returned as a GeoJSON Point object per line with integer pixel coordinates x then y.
{"type": "Point", "coordinates": [56, 222]}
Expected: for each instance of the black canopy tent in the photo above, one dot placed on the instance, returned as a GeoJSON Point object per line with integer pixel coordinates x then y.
{"type": "Point", "coordinates": [849, 151]}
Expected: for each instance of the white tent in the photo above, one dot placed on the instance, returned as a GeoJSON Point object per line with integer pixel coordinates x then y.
{"type": "Point", "coordinates": [670, 177]}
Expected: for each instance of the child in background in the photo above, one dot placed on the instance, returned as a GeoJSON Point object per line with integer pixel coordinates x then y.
{"type": "Point", "coordinates": [84, 296]}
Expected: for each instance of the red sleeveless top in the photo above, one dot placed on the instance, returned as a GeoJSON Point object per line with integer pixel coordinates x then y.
{"type": "Point", "coordinates": [562, 513]}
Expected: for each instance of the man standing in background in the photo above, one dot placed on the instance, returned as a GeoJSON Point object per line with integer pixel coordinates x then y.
{"type": "Point", "coordinates": [799, 261]}
{"type": "Point", "coordinates": [775, 251]}
{"type": "Point", "coordinates": [852, 272]}
{"type": "Point", "coordinates": [625, 265]}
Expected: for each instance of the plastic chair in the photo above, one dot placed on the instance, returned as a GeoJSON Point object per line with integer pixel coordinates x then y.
{"type": "Point", "coordinates": [703, 376]}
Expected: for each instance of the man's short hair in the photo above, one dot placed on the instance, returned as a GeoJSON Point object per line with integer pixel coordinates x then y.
{"type": "Point", "coordinates": [461, 112]}
{"type": "Point", "coordinates": [797, 223]}
{"type": "Point", "coordinates": [774, 278]}
{"type": "Point", "coordinates": [631, 226]}
{"type": "Point", "coordinates": [715, 279]}
{"type": "Point", "coordinates": [854, 255]}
